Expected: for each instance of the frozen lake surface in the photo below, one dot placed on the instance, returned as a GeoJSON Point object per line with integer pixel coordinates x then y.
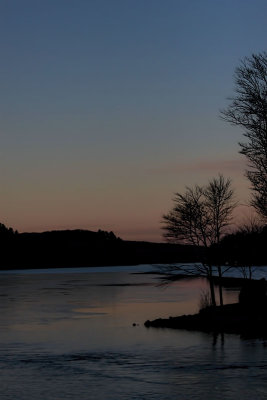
{"type": "Point", "coordinates": [69, 334]}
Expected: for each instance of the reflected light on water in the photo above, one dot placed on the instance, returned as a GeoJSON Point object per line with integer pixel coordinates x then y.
{"type": "Point", "coordinates": [72, 336]}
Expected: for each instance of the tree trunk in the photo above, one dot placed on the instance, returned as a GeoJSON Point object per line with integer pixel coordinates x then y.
{"type": "Point", "coordinates": [220, 285]}
{"type": "Point", "coordinates": [212, 292]}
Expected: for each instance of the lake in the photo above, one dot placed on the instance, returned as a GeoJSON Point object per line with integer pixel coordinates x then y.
{"type": "Point", "coordinates": [79, 334]}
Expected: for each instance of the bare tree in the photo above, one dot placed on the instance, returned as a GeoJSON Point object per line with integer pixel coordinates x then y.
{"type": "Point", "coordinates": [199, 217]}
{"type": "Point", "coordinates": [248, 109]}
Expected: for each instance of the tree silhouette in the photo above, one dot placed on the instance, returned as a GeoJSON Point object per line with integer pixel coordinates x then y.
{"type": "Point", "coordinates": [248, 109]}
{"type": "Point", "coordinates": [199, 217]}
{"type": "Point", "coordinates": [6, 232]}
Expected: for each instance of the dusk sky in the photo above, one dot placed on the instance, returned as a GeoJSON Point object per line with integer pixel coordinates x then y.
{"type": "Point", "coordinates": [108, 107]}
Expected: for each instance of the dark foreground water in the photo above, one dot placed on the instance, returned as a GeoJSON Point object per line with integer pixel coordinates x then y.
{"type": "Point", "coordinates": [69, 334]}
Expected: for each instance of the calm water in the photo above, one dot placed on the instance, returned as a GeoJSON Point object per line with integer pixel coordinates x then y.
{"type": "Point", "coordinates": [69, 334]}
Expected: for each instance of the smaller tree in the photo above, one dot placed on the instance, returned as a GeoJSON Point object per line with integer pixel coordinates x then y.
{"type": "Point", "coordinates": [200, 217]}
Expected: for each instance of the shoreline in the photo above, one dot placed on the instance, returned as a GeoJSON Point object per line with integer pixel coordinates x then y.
{"type": "Point", "coordinates": [230, 318]}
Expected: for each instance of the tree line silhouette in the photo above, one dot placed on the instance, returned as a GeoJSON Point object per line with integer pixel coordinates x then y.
{"type": "Point", "coordinates": [83, 248]}
{"type": "Point", "coordinates": [74, 248]}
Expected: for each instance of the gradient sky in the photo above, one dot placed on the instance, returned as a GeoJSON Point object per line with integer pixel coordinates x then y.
{"type": "Point", "coordinates": [108, 107]}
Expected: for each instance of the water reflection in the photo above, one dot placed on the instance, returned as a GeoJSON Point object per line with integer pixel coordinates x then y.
{"type": "Point", "coordinates": [72, 336]}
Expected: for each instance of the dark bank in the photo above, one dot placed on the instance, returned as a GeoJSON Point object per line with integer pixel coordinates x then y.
{"type": "Point", "coordinates": [247, 318]}
{"type": "Point", "coordinates": [78, 248]}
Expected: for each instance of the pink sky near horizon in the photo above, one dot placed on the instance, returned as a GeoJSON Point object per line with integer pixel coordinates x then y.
{"type": "Point", "coordinates": [109, 108]}
{"type": "Point", "coordinates": [141, 220]}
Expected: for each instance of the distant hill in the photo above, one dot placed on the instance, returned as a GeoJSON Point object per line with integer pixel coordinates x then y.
{"type": "Point", "coordinates": [76, 248]}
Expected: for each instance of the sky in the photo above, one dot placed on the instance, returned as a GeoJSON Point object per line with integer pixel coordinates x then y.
{"type": "Point", "coordinates": [109, 107]}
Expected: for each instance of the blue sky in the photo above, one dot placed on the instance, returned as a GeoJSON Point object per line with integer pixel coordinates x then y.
{"type": "Point", "coordinates": [109, 107]}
